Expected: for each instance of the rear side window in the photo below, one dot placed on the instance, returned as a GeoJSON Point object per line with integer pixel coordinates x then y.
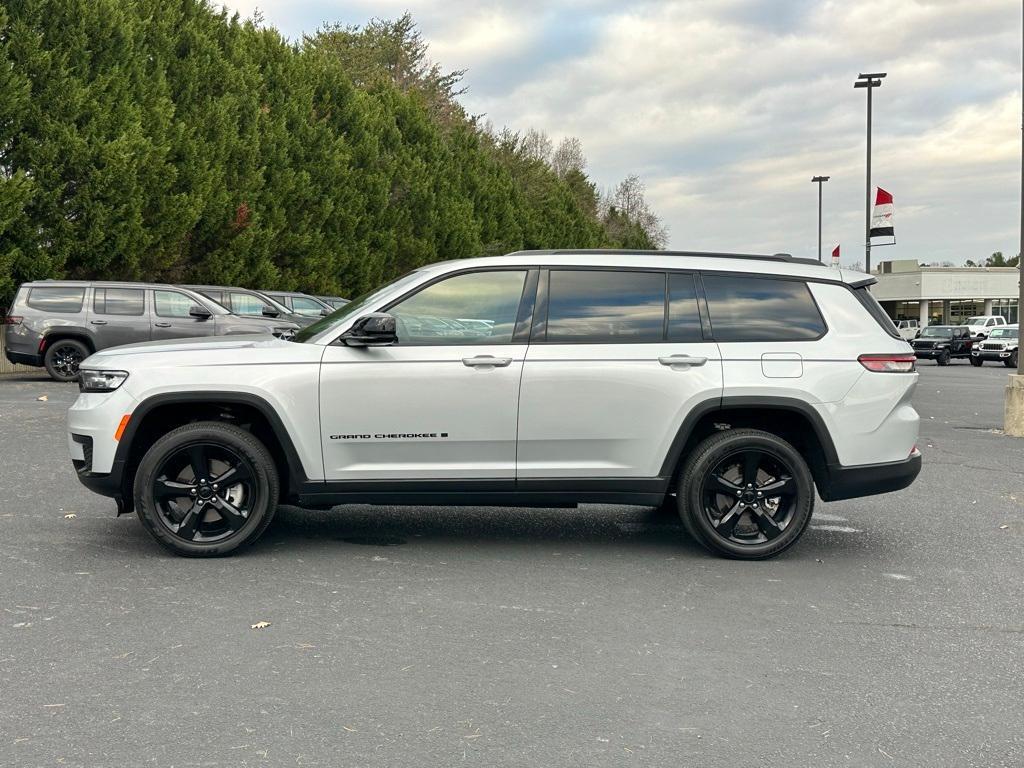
{"type": "Point", "coordinates": [57, 298]}
{"type": "Point", "coordinates": [870, 303]}
{"type": "Point", "coordinates": [745, 308]}
{"type": "Point", "coordinates": [119, 301]}
{"type": "Point", "coordinates": [605, 306]}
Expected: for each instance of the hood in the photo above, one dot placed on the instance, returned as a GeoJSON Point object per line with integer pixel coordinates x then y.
{"type": "Point", "coordinates": [195, 344]}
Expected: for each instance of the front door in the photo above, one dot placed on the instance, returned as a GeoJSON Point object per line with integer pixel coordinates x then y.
{"type": "Point", "coordinates": [442, 403]}
{"type": "Point", "coordinates": [616, 361]}
{"type": "Point", "coordinates": [171, 318]}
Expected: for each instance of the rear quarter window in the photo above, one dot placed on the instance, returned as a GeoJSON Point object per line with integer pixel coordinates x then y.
{"type": "Point", "coordinates": [870, 303]}
{"type": "Point", "coordinates": [746, 308]}
{"type": "Point", "coordinates": [62, 299]}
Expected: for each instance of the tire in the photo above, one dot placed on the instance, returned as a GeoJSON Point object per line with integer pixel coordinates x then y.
{"type": "Point", "coordinates": [166, 483]}
{"type": "Point", "coordinates": [761, 528]}
{"type": "Point", "coordinates": [976, 361]}
{"type": "Point", "coordinates": [1011, 361]}
{"type": "Point", "coordinates": [63, 357]}
{"type": "Point", "coordinates": [943, 358]}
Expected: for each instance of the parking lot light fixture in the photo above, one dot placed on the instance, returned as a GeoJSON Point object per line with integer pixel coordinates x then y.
{"type": "Point", "coordinates": [870, 81]}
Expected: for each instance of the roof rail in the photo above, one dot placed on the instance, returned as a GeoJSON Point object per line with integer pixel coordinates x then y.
{"type": "Point", "coordinates": [786, 257]}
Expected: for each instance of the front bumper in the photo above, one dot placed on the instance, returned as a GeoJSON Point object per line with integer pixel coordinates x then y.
{"type": "Point", "coordinates": [92, 423]}
{"type": "Point", "coordinates": [928, 353]}
{"type": "Point", "coordinates": [870, 479]}
{"type": "Point", "coordinates": [992, 354]}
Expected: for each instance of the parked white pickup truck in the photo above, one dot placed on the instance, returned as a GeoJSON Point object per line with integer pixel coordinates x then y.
{"type": "Point", "coordinates": [982, 325]}
{"type": "Point", "coordinates": [909, 329]}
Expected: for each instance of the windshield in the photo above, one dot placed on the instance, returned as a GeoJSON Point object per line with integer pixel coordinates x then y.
{"type": "Point", "coordinates": [938, 332]}
{"type": "Point", "coordinates": [1003, 333]}
{"type": "Point", "coordinates": [976, 320]}
{"type": "Point", "coordinates": [354, 307]}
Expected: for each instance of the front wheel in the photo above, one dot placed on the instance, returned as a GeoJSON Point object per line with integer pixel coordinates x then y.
{"type": "Point", "coordinates": [1011, 361]}
{"type": "Point", "coordinates": [943, 358]}
{"type": "Point", "coordinates": [746, 494]}
{"type": "Point", "coordinates": [976, 361]}
{"type": "Point", "coordinates": [206, 489]}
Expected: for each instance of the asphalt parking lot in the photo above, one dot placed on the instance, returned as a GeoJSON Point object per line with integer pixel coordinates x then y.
{"type": "Point", "coordinates": [892, 635]}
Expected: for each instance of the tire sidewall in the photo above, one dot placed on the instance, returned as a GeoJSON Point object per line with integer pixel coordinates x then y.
{"type": "Point", "coordinates": [707, 456]}
{"type": "Point", "coordinates": [51, 352]}
{"type": "Point", "coordinates": [233, 438]}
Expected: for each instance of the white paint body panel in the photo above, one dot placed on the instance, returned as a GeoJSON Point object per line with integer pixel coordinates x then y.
{"type": "Point", "coordinates": [380, 391]}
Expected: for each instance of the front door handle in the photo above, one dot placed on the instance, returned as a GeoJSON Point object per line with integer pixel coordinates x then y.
{"type": "Point", "coordinates": [487, 361]}
{"type": "Point", "coordinates": [98, 322]}
{"type": "Point", "coordinates": [682, 360]}
{"type": "Point", "coordinates": [162, 325]}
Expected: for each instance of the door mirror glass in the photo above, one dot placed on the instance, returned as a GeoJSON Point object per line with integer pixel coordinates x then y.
{"type": "Point", "coordinates": [201, 313]}
{"type": "Point", "coordinates": [270, 312]}
{"type": "Point", "coordinates": [373, 330]}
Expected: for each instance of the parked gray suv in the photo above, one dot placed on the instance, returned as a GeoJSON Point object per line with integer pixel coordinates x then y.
{"type": "Point", "coordinates": [58, 323]}
{"type": "Point", "coordinates": [249, 303]}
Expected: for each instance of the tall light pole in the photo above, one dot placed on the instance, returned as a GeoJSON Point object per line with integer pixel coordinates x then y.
{"type": "Point", "coordinates": [819, 180]}
{"type": "Point", "coordinates": [870, 81]}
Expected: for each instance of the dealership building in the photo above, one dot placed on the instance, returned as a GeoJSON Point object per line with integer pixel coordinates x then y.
{"type": "Point", "coordinates": [946, 295]}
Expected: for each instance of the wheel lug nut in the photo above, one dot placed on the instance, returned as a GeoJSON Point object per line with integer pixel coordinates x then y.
{"type": "Point", "coordinates": [193, 491]}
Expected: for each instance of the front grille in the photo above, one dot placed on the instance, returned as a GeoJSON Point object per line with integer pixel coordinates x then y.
{"type": "Point", "coordinates": [992, 346]}
{"type": "Point", "coordinates": [83, 465]}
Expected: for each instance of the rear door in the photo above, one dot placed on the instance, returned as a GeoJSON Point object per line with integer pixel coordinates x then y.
{"type": "Point", "coordinates": [171, 318]}
{"type": "Point", "coordinates": [617, 359]}
{"type": "Point", "coordinates": [119, 316]}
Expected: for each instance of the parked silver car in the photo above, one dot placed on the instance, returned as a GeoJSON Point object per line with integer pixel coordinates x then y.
{"type": "Point", "coordinates": [56, 324]}
{"type": "Point", "coordinates": [249, 303]}
{"type": "Point", "coordinates": [302, 303]}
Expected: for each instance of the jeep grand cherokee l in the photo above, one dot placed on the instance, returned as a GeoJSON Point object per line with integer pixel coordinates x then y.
{"type": "Point", "coordinates": [728, 387]}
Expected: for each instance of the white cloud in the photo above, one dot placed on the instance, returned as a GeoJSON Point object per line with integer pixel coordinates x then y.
{"type": "Point", "coordinates": [727, 108]}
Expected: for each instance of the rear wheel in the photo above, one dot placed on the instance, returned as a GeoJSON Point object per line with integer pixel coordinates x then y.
{"type": "Point", "coordinates": [63, 357]}
{"type": "Point", "coordinates": [746, 494]}
{"type": "Point", "coordinates": [206, 489]}
{"type": "Point", "coordinates": [976, 361]}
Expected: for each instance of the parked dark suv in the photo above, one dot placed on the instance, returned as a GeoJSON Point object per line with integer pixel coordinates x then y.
{"type": "Point", "coordinates": [942, 343]}
{"type": "Point", "coordinates": [57, 324]}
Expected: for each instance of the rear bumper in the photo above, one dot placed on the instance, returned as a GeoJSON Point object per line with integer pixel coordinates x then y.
{"type": "Point", "coordinates": [23, 358]}
{"type": "Point", "coordinates": [870, 479]}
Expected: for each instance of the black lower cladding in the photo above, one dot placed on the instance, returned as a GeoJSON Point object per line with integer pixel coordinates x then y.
{"type": "Point", "coordinates": [23, 358]}
{"type": "Point", "coordinates": [870, 479]}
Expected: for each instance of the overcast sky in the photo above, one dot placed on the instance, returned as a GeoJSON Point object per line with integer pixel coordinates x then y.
{"type": "Point", "coordinates": [726, 108]}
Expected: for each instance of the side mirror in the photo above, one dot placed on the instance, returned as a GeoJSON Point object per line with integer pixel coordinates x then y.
{"type": "Point", "coordinates": [917, 335]}
{"type": "Point", "coordinates": [374, 330]}
{"type": "Point", "coordinates": [270, 312]}
{"type": "Point", "coordinates": [324, 312]}
{"type": "Point", "coordinates": [200, 313]}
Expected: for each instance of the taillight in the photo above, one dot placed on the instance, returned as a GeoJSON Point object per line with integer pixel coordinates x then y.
{"type": "Point", "coordinates": [888, 363]}
{"type": "Point", "coordinates": [13, 319]}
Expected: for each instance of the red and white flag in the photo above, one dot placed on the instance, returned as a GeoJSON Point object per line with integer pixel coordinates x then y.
{"type": "Point", "coordinates": [881, 217]}
{"type": "Point", "coordinates": [835, 256]}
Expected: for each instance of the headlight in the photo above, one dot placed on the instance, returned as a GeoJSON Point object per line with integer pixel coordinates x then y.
{"type": "Point", "coordinates": [100, 381]}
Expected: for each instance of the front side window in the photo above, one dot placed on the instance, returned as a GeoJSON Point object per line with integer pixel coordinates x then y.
{"type": "Point", "coordinates": [247, 304]}
{"type": "Point", "coordinates": [306, 306]}
{"type": "Point", "coordinates": [745, 308]}
{"type": "Point", "coordinates": [57, 298]}
{"type": "Point", "coordinates": [595, 306]}
{"type": "Point", "coordinates": [119, 301]}
{"type": "Point", "coordinates": [473, 308]}
{"type": "Point", "coordinates": [172, 303]}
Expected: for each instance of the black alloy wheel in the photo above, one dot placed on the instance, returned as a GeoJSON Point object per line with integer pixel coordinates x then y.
{"type": "Point", "coordinates": [206, 489]}
{"type": "Point", "coordinates": [63, 357]}
{"type": "Point", "coordinates": [943, 358]}
{"type": "Point", "coordinates": [746, 494]}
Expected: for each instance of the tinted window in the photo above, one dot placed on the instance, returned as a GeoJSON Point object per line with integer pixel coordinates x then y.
{"type": "Point", "coordinates": [57, 299]}
{"type": "Point", "coordinates": [604, 306]}
{"type": "Point", "coordinates": [247, 304]}
{"type": "Point", "coordinates": [683, 314]}
{"type": "Point", "coordinates": [172, 303]}
{"type": "Point", "coordinates": [119, 301]}
{"type": "Point", "coordinates": [474, 308]}
{"type": "Point", "coordinates": [746, 308]}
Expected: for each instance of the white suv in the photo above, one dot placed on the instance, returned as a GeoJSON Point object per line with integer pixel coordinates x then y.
{"type": "Point", "coordinates": [726, 386]}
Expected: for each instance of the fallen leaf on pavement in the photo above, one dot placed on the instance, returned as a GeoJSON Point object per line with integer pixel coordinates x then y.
{"type": "Point", "coordinates": [42, 398]}
{"type": "Point", "coordinates": [70, 516]}
{"type": "Point", "coordinates": [260, 625]}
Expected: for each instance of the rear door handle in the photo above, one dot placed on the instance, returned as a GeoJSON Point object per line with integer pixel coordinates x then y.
{"type": "Point", "coordinates": [487, 360]}
{"type": "Point", "coordinates": [683, 360]}
{"type": "Point", "coordinates": [162, 325]}
{"type": "Point", "coordinates": [98, 322]}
